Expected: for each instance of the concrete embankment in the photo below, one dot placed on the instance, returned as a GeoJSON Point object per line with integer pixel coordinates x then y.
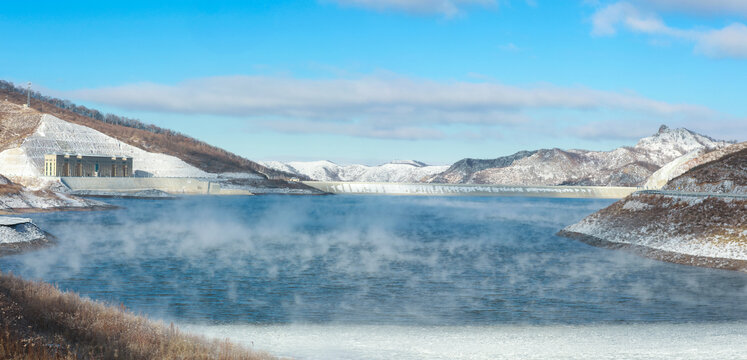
{"type": "Point", "coordinates": [185, 186]}
{"type": "Point", "coordinates": [601, 192]}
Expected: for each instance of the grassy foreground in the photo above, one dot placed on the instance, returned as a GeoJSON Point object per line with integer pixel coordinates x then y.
{"type": "Point", "coordinates": [38, 321]}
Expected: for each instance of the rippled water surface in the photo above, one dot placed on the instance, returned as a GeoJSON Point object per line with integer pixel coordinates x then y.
{"type": "Point", "coordinates": [357, 261]}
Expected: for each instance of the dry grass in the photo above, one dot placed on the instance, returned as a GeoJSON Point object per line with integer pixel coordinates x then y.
{"type": "Point", "coordinates": [10, 188]}
{"type": "Point", "coordinates": [41, 322]}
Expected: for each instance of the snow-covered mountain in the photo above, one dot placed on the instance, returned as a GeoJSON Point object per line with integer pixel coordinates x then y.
{"type": "Point", "coordinates": [624, 166]}
{"type": "Point", "coordinates": [403, 171]}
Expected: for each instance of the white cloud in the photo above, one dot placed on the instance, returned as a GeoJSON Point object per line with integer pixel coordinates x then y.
{"type": "Point", "coordinates": [699, 7]}
{"type": "Point", "coordinates": [446, 8]}
{"type": "Point", "coordinates": [730, 41]}
{"type": "Point", "coordinates": [607, 20]}
{"type": "Point", "coordinates": [356, 129]}
{"type": "Point", "coordinates": [384, 106]}
{"type": "Point", "coordinates": [375, 96]}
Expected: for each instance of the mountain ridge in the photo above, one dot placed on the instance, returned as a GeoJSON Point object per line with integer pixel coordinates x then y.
{"type": "Point", "coordinates": [404, 171]}
{"type": "Point", "coordinates": [623, 166]}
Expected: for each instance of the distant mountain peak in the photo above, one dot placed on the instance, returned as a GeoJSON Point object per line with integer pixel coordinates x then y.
{"type": "Point", "coordinates": [681, 139]}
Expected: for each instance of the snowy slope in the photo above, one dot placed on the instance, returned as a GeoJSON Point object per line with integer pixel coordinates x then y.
{"type": "Point", "coordinates": [683, 228]}
{"type": "Point", "coordinates": [688, 161]}
{"type": "Point", "coordinates": [719, 171]}
{"type": "Point", "coordinates": [403, 171]}
{"type": "Point", "coordinates": [708, 227]}
{"type": "Point", "coordinates": [672, 169]}
{"type": "Point", "coordinates": [57, 136]}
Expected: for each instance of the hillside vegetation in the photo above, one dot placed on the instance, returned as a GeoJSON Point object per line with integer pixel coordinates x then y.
{"type": "Point", "coordinates": [16, 123]}
{"type": "Point", "coordinates": [147, 137]}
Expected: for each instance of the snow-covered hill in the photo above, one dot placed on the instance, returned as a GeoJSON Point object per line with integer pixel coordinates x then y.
{"type": "Point", "coordinates": [688, 161]}
{"type": "Point", "coordinates": [402, 171]}
{"type": "Point", "coordinates": [682, 227]}
{"type": "Point", "coordinates": [720, 171]}
{"type": "Point", "coordinates": [53, 135]}
{"type": "Point", "coordinates": [624, 166]}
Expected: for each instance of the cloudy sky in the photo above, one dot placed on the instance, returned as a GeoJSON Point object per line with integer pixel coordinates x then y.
{"type": "Point", "coordinates": [375, 80]}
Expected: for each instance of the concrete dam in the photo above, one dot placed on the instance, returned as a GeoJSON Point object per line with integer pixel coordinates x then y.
{"type": "Point", "coordinates": [373, 188]}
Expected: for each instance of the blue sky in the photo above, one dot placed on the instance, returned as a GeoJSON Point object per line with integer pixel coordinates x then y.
{"type": "Point", "coordinates": [372, 81]}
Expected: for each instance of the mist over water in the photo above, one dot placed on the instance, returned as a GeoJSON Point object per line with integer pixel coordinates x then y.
{"type": "Point", "coordinates": [271, 264]}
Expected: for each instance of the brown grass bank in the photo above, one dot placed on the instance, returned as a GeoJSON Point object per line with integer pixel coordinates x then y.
{"type": "Point", "coordinates": [38, 321]}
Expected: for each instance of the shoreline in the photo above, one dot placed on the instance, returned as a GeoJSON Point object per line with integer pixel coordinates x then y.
{"type": "Point", "coordinates": [16, 248]}
{"type": "Point", "coordinates": [657, 254]}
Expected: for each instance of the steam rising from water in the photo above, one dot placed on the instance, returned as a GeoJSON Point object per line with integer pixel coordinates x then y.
{"type": "Point", "coordinates": [364, 261]}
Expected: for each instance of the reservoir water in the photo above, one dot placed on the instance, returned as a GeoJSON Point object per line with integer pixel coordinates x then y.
{"type": "Point", "coordinates": [391, 277]}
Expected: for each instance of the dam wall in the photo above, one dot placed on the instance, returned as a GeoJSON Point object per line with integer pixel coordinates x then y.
{"type": "Point", "coordinates": [372, 188]}
{"type": "Point", "coordinates": [185, 186]}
